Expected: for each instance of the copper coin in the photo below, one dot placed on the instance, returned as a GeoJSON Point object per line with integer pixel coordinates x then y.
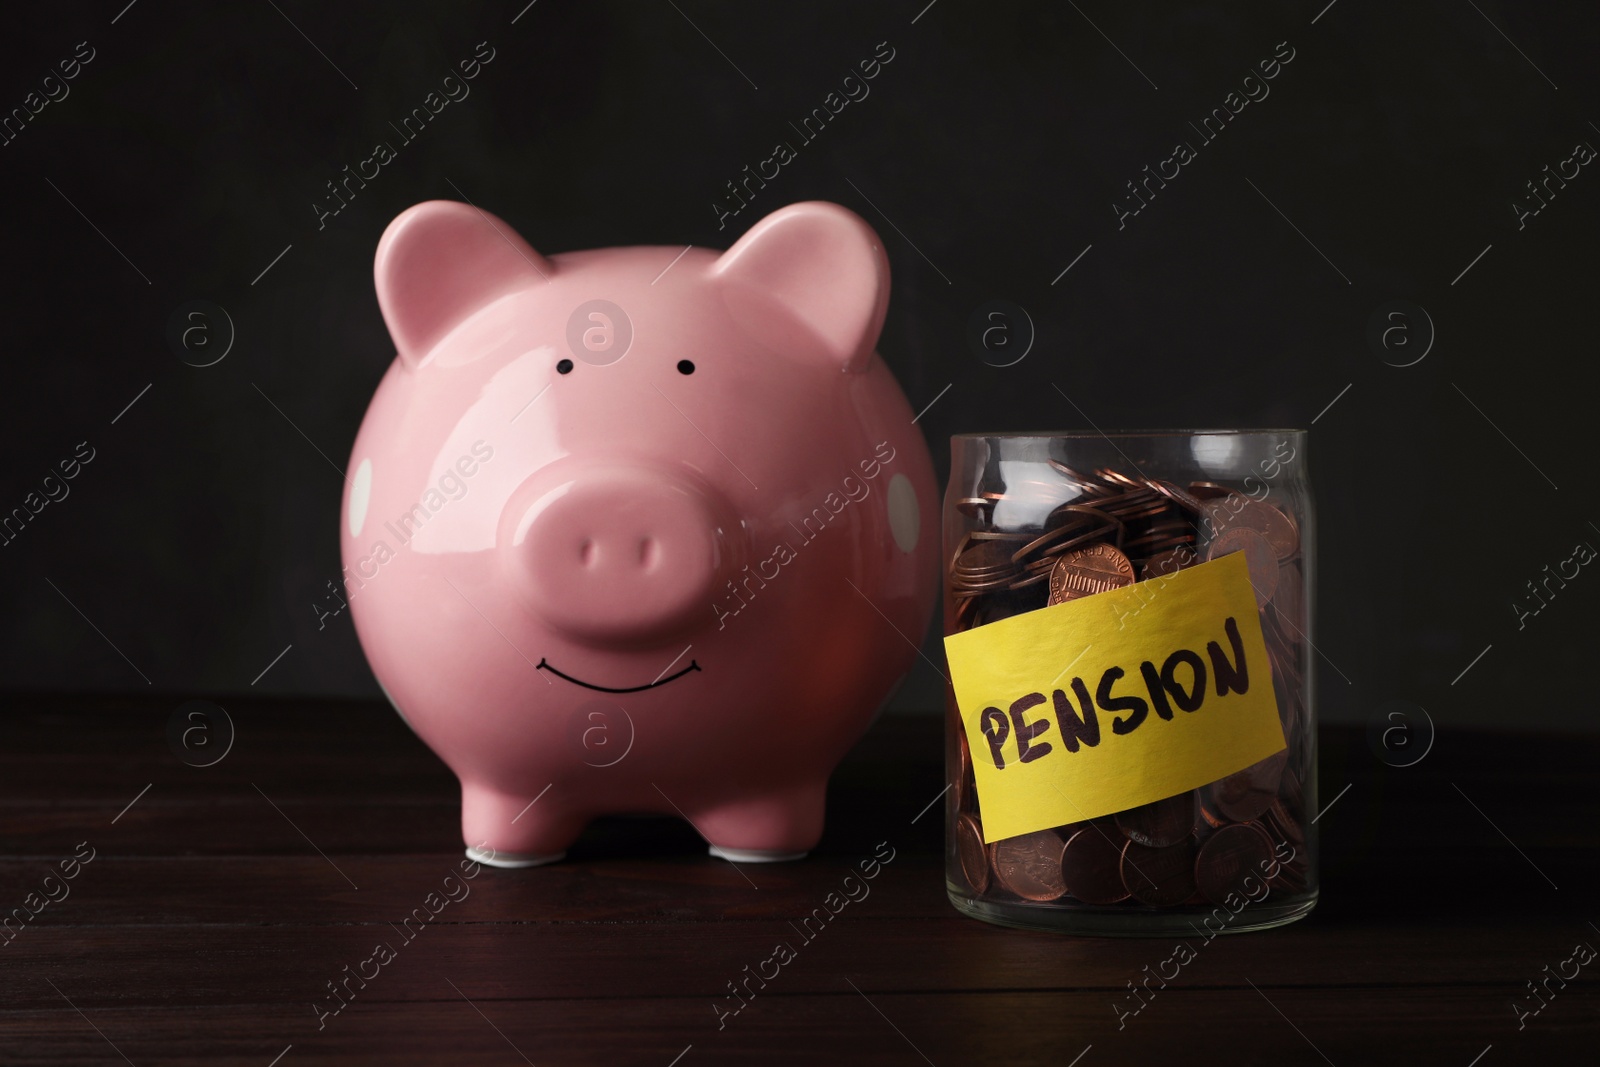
{"type": "Point", "coordinates": [1166, 544]}
{"type": "Point", "coordinates": [1171, 538]}
{"type": "Point", "coordinates": [1274, 830]}
{"type": "Point", "coordinates": [1290, 717]}
{"type": "Point", "coordinates": [1140, 511]}
{"type": "Point", "coordinates": [998, 535]}
{"type": "Point", "coordinates": [1127, 499]}
{"type": "Point", "coordinates": [993, 578]}
{"type": "Point", "coordinates": [1138, 516]}
{"type": "Point", "coordinates": [1286, 692]}
{"type": "Point", "coordinates": [1055, 518]}
{"type": "Point", "coordinates": [961, 547]}
{"type": "Point", "coordinates": [1285, 667]}
{"type": "Point", "coordinates": [1158, 540]}
{"type": "Point", "coordinates": [1288, 603]}
{"type": "Point", "coordinates": [1163, 526]}
{"type": "Point", "coordinates": [1160, 877]}
{"type": "Point", "coordinates": [1183, 498]}
{"type": "Point", "coordinates": [1258, 556]}
{"type": "Point", "coordinates": [1220, 513]}
{"type": "Point", "coordinates": [1030, 865]}
{"type": "Point", "coordinates": [1217, 512]}
{"type": "Point", "coordinates": [983, 557]}
{"type": "Point", "coordinates": [1114, 477]}
{"type": "Point", "coordinates": [975, 570]}
{"type": "Point", "coordinates": [1286, 824]}
{"type": "Point", "coordinates": [1169, 562]}
{"type": "Point", "coordinates": [1088, 511]}
{"type": "Point", "coordinates": [1292, 875]}
{"type": "Point", "coordinates": [1273, 631]}
{"type": "Point", "coordinates": [972, 852]}
{"type": "Point", "coordinates": [974, 506]}
{"type": "Point", "coordinates": [1272, 523]}
{"type": "Point", "coordinates": [1031, 580]}
{"type": "Point", "coordinates": [979, 584]}
{"type": "Point", "coordinates": [1292, 790]}
{"type": "Point", "coordinates": [1063, 530]}
{"type": "Point", "coordinates": [982, 561]}
{"type": "Point", "coordinates": [1161, 824]}
{"type": "Point", "coordinates": [1246, 794]}
{"type": "Point", "coordinates": [1091, 863]}
{"type": "Point", "coordinates": [963, 777]}
{"type": "Point", "coordinates": [1211, 490]}
{"type": "Point", "coordinates": [1166, 525]}
{"type": "Point", "coordinates": [1086, 571]}
{"type": "Point", "coordinates": [1072, 475]}
{"type": "Point", "coordinates": [1229, 859]}
{"type": "Point", "coordinates": [1101, 525]}
{"type": "Point", "coordinates": [1048, 555]}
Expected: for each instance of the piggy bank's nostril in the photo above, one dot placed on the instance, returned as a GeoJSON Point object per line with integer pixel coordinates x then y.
{"type": "Point", "coordinates": [648, 551]}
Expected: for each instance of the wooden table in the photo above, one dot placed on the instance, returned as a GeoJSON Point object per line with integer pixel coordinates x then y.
{"type": "Point", "coordinates": [221, 901]}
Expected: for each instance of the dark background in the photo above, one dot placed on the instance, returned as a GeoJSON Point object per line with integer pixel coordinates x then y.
{"type": "Point", "coordinates": [192, 148]}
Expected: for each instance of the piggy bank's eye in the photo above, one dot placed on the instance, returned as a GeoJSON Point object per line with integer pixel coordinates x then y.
{"type": "Point", "coordinates": [685, 367]}
{"type": "Point", "coordinates": [564, 367]}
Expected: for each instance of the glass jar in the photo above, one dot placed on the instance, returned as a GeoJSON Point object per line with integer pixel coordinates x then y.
{"type": "Point", "coordinates": [1128, 635]}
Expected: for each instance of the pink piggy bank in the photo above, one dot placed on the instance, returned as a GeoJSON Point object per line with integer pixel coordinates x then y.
{"type": "Point", "coordinates": [638, 530]}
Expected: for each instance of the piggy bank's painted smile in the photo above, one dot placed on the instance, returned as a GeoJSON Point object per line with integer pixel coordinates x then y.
{"type": "Point", "coordinates": [545, 666]}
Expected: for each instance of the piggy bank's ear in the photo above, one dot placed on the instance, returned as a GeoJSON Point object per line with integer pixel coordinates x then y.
{"type": "Point", "coordinates": [820, 263]}
{"type": "Point", "coordinates": [440, 261]}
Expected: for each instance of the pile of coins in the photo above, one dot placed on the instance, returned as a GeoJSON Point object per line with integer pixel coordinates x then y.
{"type": "Point", "coordinates": [1110, 529]}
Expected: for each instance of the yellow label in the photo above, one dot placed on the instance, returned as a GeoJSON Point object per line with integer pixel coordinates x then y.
{"type": "Point", "coordinates": [1115, 700]}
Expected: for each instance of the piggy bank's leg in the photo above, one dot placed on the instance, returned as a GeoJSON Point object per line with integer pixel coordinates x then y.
{"type": "Point", "coordinates": [511, 830]}
{"type": "Point", "coordinates": [765, 829]}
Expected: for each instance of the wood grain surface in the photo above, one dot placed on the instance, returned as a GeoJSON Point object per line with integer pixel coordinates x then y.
{"type": "Point", "coordinates": [221, 904]}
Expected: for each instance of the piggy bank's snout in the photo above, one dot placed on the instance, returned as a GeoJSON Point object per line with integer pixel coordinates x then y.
{"type": "Point", "coordinates": [620, 555]}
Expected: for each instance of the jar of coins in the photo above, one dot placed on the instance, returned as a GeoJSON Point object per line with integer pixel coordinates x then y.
{"type": "Point", "coordinates": [1131, 737]}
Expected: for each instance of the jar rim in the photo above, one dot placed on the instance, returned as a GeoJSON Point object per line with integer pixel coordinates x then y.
{"type": "Point", "coordinates": [1125, 434]}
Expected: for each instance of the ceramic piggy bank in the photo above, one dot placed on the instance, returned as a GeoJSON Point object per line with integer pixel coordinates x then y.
{"type": "Point", "coordinates": [638, 530]}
